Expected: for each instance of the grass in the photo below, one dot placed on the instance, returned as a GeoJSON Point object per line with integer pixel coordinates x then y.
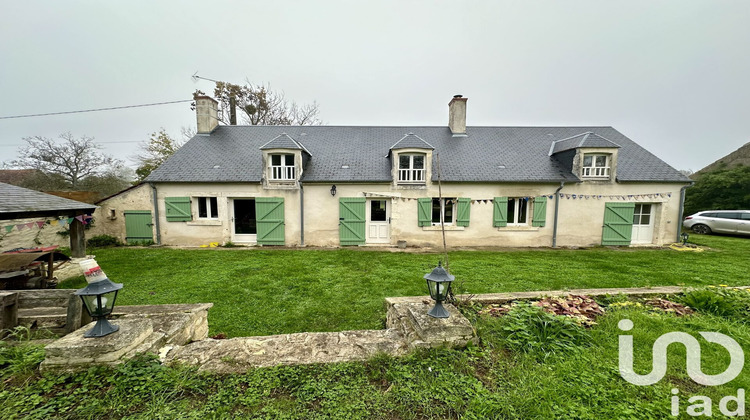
{"type": "Point", "coordinates": [276, 291]}
{"type": "Point", "coordinates": [489, 381]}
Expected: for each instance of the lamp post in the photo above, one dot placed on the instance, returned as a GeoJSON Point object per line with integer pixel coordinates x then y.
{"type": "Point", "coordinates": [439, 285]}
{"type": "Point", "coordinates": [685, 237]}
{"type": "Point", "coordinates": [99, 298]}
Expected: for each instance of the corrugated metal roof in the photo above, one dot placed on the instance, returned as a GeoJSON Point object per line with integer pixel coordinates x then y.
{"type": "Point", "coordinates": [360, 154]}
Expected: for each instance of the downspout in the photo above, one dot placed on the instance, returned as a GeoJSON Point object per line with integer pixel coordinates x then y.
{"type": "Point", "coordinates": [156, 213]}
{"type": "Point", "coordinates": [682, 209]}
{"type": "Point", "coordinates": [557, 208]}
{"type": "Point", "coordinates": [301, 215]}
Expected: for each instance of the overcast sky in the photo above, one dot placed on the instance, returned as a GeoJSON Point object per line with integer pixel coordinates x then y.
{"type": "Point", "coordinates": [672, 75]}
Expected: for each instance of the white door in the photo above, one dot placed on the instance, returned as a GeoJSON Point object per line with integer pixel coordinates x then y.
{"type": "Point", "coordinates": [643, 224]}
{"type": "Point", "coordinates": [244, 228]}
{"type": "Point", "coordinates": [378, 221]}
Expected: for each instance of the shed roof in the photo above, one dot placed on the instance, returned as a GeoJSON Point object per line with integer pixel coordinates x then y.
{"type": "Point", "coordinates": [17, 202]}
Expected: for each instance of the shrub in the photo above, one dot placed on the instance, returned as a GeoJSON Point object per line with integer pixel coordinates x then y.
{"type": "Point", "coordinates": [724, 302]}
{"type": "Point", "coordinates": [530, 329]}
{"type": "Point", "coordinates": [102, 241]}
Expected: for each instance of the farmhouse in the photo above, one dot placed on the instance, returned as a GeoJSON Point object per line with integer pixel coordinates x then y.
{"type": "Point", "coordinates": [363, 185]}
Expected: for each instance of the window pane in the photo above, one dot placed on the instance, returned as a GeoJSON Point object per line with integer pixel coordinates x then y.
{"type": "Point", "coordinates": [377, 211]}
{"type": "Point", "coordinates": [587, 160]}
{"type": "Point", "coordinates": [403, 161]}
{"type": "Point", "coordinates": [601, 161]}
{"type": "Point", "coordinates": [202, 212]}
{"type": "Point", "coordinates": [745, 216]}
{"type": "Point", "coordinates": [289, 160]}
{"type": "Point", "coordinates": [276, 160]}
{"type": "Point", "coordinates": [645, 219]}
{"type": "Point", "coordinates": [435, 210]}
{"type": "Point", "coordinates": [522, 204]}
{"type": "Point", "coordinates": [418, 162]}
{"type": "Point", "coordinates": [511, 210]}
{"type": "Point", "coordinates": [214, 208]}
{"type": "Point", "coordinates": [449, 203]}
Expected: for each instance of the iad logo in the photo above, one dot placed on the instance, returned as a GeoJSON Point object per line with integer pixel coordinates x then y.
{"type": "Point", "coordinates": [693, 363]}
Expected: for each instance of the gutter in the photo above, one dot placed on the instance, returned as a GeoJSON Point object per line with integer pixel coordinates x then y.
{"type": "Point", "coordinates": [682, 209]}
{"type": "Point", "coordinates": [156, 213]}
{"type": "Point", "coordinates": [301, 214]}
{"type": "Point", "coordinates": [557, 208]}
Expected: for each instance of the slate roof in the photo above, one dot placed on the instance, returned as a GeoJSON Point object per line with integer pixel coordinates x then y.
{"type": "Point", "coordinates": [582, 140]}
{"type": "Point", "coordinates": [360, 154]}
{"type": "Point", "coordinates": [283, 141]}
{"type": "Point", "coordinates": [17, 202]}
{"type": "Point", "coordinates": [412, 141]}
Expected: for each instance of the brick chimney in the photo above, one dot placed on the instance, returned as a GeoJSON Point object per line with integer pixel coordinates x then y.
{"type": "Point", "coordinates": [457, 116]}
{"type": "Point", "coordinates": [207, 113]}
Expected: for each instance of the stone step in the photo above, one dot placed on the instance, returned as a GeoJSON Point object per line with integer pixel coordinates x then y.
{"type": "Point", "coordinates": [240, 354]}
{"type": "Point", "coordinates": [44, 317]}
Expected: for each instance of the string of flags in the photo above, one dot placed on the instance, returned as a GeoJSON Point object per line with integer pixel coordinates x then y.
{"type": "Point", "coordinates": [583, 197]}
{"type": "Point", "coordinates": [85, 219]}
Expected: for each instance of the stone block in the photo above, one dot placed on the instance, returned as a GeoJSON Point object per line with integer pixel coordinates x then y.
{"type": "Point", "coordinates": [75, 349]}
{"type": "Point", "coordinates": [8, 310]}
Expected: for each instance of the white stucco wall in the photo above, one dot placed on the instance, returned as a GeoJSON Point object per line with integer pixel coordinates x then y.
{"type": "Point", "coordinates": [580, 220]}
{"type": "Point", "coordinates": [31, 237]}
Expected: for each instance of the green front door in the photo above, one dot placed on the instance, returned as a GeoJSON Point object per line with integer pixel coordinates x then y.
{"type": "Point", "coordinates": [352, 214]}
{"type": "Point", "coordinates": [138, 226]}
{"type": "Point", "coordinates": [618, 223]}
{"type": "Point", "coordinates": [269, 222]}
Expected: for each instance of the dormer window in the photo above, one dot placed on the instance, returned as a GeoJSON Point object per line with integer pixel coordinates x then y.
{"type": "Point", "coordinates": [595, 166]}
{"type": "Point", "coordinates": [282, 167]}
{"type": "Point", "coordinates": [411, 168]}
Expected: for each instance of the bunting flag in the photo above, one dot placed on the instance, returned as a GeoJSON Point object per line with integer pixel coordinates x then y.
{"type": "Point", "coordinates": [40, 224]}
{"type": "Point", "coordinates": [54, 222]}
{"type": "Point", "coordinates": [8, 229]}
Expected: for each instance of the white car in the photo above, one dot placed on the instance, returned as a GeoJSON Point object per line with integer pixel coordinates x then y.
{"type": "Point", "coordinates": [719, 221]}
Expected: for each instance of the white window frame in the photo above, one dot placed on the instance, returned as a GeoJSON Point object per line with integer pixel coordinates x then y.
{"type": "Point", "coordinates": [412, 175]}
{"type": "Point", "coordinates": [517, 210]}
{"type": "Point", "coordinates": [445, 202]}
{"type": "Point", "coordinates": [282, 172]}
{"type": "Point", "coordinates": [210, 209]}
{"type": "Point", "coordinates": [594, 171]}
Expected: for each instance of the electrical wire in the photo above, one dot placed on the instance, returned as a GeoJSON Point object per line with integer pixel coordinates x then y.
{"type": "Point", "coordinates": [94, 110]}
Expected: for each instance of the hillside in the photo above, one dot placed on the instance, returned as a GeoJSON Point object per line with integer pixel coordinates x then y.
{"type": "Point", "coordinates": [739, 157]}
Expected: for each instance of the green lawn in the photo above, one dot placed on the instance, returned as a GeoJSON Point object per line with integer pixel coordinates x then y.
{"type": "Point", "coordinates": [490, 381]}
{"type": "Point", "coordinates": [264, 291]}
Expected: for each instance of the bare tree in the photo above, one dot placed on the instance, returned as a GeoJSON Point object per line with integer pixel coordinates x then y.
{"type": "Point", "coordinates": [72, 158]}
{"type": "Point", "coordinates": [259, 105]}
{"type": "Point", "coordinates": [154, 152]}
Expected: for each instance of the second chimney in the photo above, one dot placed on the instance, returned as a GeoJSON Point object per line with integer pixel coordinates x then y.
{"type": "Point", "coordinates": [457, 116]}
{"type": "Point", "coordinates": [207, 113]}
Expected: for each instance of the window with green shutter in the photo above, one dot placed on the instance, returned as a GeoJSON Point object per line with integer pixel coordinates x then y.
{"type": "Point", "coordinates": [178, 209]}
{"type": "Point", "coordinates": [500, 213]}
{"type": "Point", "coordinates": [424, 211]}
{"type": "Point", "coordinates": [540, 212]}
{"type": "Point", "coordinates": [463, 212]}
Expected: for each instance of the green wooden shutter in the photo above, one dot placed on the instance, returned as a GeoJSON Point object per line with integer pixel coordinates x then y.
{"type": "Point", "coordinates": [178, 209]}
{"type": "Point", "coordinates": [618, 223]}
{"type": "Point", "coordinates": [540, 211]}
{"type": "Point", "coordinates": [138, 226]}
{"type": "Point", "coordinates": [464, 211]}
{"type": "Point", "coordinates": [500, 214]}
{"type": "Point", "coordinates": [269, 213]}
{"type": "Point", "coordinates": [352, 220]}
{"type": "Point", "coordinates": [424, 211]}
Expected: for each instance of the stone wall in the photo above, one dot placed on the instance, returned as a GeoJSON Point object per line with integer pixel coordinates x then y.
{"type": "Point", "coordinates": [34, 236]}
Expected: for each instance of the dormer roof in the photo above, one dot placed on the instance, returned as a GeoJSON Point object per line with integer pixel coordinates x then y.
{"type": "Point", "coordinates": [412, 141]}
{"type": "Point", "coordinates": [284, 141]}
{"type": "Point", "coordinates": [583, 140]}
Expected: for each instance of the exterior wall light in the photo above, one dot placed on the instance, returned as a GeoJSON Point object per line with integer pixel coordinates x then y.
{"type": "Point", "coordinates": [439, 285]}
{"type": "Point", "coordinates": [98, 298]}
{"type": "Point", "coordinates": [333, 190]}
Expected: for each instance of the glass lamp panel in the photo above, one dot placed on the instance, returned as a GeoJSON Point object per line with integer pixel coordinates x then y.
{"type": "Point", "coordinates": [438, 290]}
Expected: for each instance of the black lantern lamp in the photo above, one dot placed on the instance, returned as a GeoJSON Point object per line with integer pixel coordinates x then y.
{"type": "Point", "coordinates": [685, 237]}
{"type": "Point", "coordinates": [439, 284]}
{"type": "Point", "coordinates": [333, 190]}
{"type": "Point", "coordinates": [98, 298]}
